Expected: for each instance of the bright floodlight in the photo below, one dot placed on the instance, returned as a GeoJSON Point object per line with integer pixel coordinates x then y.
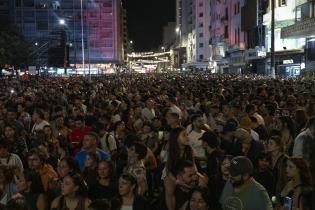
{"type": "Point", "coordinates": [36, 43]}
{"type": "Point", "coordinates": [62, 22]}
{"type": "Point", "coordinates": [177, 29]}
{"type": "Point", "coordinates": [131, 42]}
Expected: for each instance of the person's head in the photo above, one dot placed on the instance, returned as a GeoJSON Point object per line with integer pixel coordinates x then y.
{"type": "Point", "coordinates": [254, 122]}
{"type": "Point", "coordinates": [246, 123]}
{"type": "Point", "coordinates": [11, 114]}
{"type": "Point", "coordinates": [228, 131]}
{"type": "Point", "coordinates": [147, 127]}
{"type": "Point", "coordinates": [59, 120]}
{"type": "Point", "coordinates": [275, 144]}
{"type": "Point", "coordinates": [100, 204]}
{"type": "Point", "coordinates": [36, 159]}
{"type": "Point", "coordinates": [250, 109]}
{"type": "Point", "coordinates": [172, 119]}
{"type": "Point", "coordinates": [127, 184]}
{"type": "Point", "coordinates": [186, 172]}
{"type": "Point", "coordinates": [18, 203]}
{"type": "Point", "coordinates": [198, 199]}
{"type": "Point", "coordinates": [225, 165]}
{"type": "Point", "coordinates": [47, 130]}
{"type": "Point", "coordinates": [79, 122]}
{"type": "Point", "coordinates": [137, 151]}
{"type": "Point", "coordinates": [91, 160]}
{"type": "Point", "coordinates": [311, 124]}
{"type": "Point", "coordinates": [241, 169]}
{"type": "Point", "coordinates": [38, 115]}
{"type": "Point", "coordinates": [150, 103]}
{"type": "Point", "coordinates": [297, 169]}
{"type": "Point", "coordinates": [119, 126]}
{"type": "Point", "coordinates": [105, 169]}
{"type": "Point", "coordinates": [178, 137]}
{"type": "Point", "coordinates": [30, 181]}
{"type": "Point", "coordinates": [300, 117]}
{"type": "Point", "coordinates": [197, 121]}
{"type": "Point", "coordinates": [68, 165]}
{"type": "Point", "coordinates": [90, 141]}
{"type": "Point", "coordinates": [73, 185]}
{"type": "Point", "coordinates": [263, 161]}
{"type": "Point", "coordinates": [4, 148]}
{"type": "Point", "coordinates": [209, 140]}
{"type": "Point", "coordinates": [9, 131]}
{"type": "Point", "coordinates": [156, 123]}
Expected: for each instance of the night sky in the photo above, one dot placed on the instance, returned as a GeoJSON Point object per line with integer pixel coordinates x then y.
{"type": "Point", "coordinates": [145, 20]}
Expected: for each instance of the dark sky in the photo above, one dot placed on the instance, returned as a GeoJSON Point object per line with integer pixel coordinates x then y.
{"type": "Point", "coordinates": [145, 20]}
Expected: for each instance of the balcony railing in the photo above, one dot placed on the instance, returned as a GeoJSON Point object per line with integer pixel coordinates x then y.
{"type": "Point", "coordinates": [305, 11]}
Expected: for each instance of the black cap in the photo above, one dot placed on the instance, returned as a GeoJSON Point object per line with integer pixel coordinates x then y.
{"type": "Point", "coordinates": [240, 165]}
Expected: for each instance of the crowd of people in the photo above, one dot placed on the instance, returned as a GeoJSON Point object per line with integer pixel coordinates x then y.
{"type": "Point", "coordinates": [179, 141]}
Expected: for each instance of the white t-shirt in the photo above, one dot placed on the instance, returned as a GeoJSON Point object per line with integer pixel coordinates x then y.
{"type": "Point", "coordinates": [196, 143]}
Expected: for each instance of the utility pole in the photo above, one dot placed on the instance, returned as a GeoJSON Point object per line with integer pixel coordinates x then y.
{"type": "Point", "coordinates": [272, 50]}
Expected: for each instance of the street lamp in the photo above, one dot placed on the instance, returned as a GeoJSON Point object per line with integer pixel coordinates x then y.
{"type": "Point", "coordinates": [131, 42]}
{"type": "Point", "coordinates": [62, 22]}
{"type": "Point", "coordinates": [163, 49]}
{"type": "Point", "coordinates": [177, 30]}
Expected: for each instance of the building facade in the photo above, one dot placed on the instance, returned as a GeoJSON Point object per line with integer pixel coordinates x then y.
{"type": "Point", "coordinates": [91, 35]}
{"type": "Point", "coordinates": [303, 27]}
{"type": "Point", "coordinates": [193, 33]}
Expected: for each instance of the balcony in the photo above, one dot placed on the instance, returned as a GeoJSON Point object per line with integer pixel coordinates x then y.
{"type": "Point", "coordinates": [305, 11]}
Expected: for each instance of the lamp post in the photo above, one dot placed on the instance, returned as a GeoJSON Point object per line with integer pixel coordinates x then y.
{"type": "Point", "coordinates": [62, 22]}
{"type": "Point", "coordinates": [272, 50]}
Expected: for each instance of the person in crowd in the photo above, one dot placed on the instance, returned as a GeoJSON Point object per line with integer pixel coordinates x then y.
{"type": "Point", "coordinates": [148, 112]}
{"type": "Point", "coordinates": [36, 161]}
{"type": "Point", "coordinates": [135, 165]}
{"type": "Point", "coordinates": [260, 129]}
{"type": "Point", "coordinates": [214, 154]}
{"type": "Point", "coordinates": [286, 126]}
{"type": "Point", "coordinates": [17, 145]}
{"type": "Point", "coordinates": [74, 193]}
{"type": "Point", "coordinates": [107, 140]}
{"type": "Point", "coordinates": [127, 198]}
{"type": "Point", "coordinates": [66, 166]}
{"type": "Point", "coordinates": [194, 135]}
{"type": "Point", "coordinates": [278, 163]}
{"type": "Point", "coordinates": [39, 122]}
{"type": "Point", "coordinates": [300, 120]}
{"type": "Point", "coordinates": [24, 116]}
{"type": "Point", "coordinates": [263, 174]}
{"type": "Point", "coordinates": [29, 185]}
{"type": "Point", "coordinates": [90, 143]}
{"type": "Point", "coordinates": [198, 199]}
{"type": "Point", "coordinates": [11, 119]}
{"type": "Point", "coordinates": [7, 185]}
{"type": "Point", "coordinates": [10, 159]}
{"type": "Point", "coordinates": [78, 134]}
{"type": "Point", "coordinates": [59, 128]}
{"type": "Point", "coordinates": [300, 180]}
{"type": "Point", "coordinates": [90, 168]}
{"type": "Point", "coordinates": [178, 150]}
{"type": "Point", "coordinates": [105, 188]}
{"type": "Point", "coordinates": [119, 133]}
{"type": "Point", "coordinates": [243, 191]}
{"type": "Point", "coordinates": [172, 119]}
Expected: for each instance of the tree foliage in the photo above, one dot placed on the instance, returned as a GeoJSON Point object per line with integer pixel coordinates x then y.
{"type": "Point", "coordinates": [14, 50]}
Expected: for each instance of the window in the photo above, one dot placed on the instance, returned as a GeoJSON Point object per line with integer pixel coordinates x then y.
{"type": "Point", "coordinates": [201, 4]}
{"type": "Point", "coordinates": [226, 32]}
{"type": "Point", "coordinates": [200, 45]}
{"type": "Point", "coordinates": [226, 13]}
{"type": "Point", "coordinates": [200, 35]}
{"type": "Point", "coordinates": [201, 14]}
{"type": "Point", "coordinates": [238, 7]}
{"type": "Point", "coordinates": [200, 57]}
{"type": "Point", "coordinates": [200, 25]}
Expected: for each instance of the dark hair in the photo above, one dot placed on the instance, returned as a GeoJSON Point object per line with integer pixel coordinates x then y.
{"type": "Point", "coordinates": [211, 139]}
{"type": "Point", "coordinates": [278, 141]}
{"type": "Point", "coordinates": [290, 125]}
{"type": "Point", "coordinates": [180, 168]}
{"type": "Point", "coordinates": [117, 124]}
{"type": "Point", "coordinates": [39, 153]}
{"type": "Point", "coordinates": [40, 113]}
{"type": "Point", "coordinates": [130, 178]}
{"type": "Point", "coordinates": [204, 194]}
{"type": "Point", "coordinates": [140, 149]}
{"type": "Point", "coordinates": [34, 177]}
{"type": "Point", "coordinates": [94, 156]}
{"type": "Point", "coordinates": [303, 170]}
{"type": "Point", "coordinates": [100, 204]}
{"type": "Point", "coordinates": [17, 204]}
{"type": "Point", "coordinates": [94, 135]}
{"type": "Point", "coordinates": [72, 163]}
{"type": "Point", "coordinates": [79, 181]}
{"type": "Point", "coordinates": [174, 150]}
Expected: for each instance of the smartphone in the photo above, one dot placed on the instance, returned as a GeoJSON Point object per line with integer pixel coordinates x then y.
{"type": "Point", "coordinates": [288, 203]}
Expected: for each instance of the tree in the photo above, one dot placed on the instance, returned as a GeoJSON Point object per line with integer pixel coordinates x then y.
{"type": "Point", "coordinates": [14, 50]}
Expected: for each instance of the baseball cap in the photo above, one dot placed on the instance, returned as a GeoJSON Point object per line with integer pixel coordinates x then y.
{"type": "Point", "coordinates": [240, 165]}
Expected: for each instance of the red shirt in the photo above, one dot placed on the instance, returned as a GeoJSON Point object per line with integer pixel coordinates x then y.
{"type": "Point", "coordinates": [76, 137]}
